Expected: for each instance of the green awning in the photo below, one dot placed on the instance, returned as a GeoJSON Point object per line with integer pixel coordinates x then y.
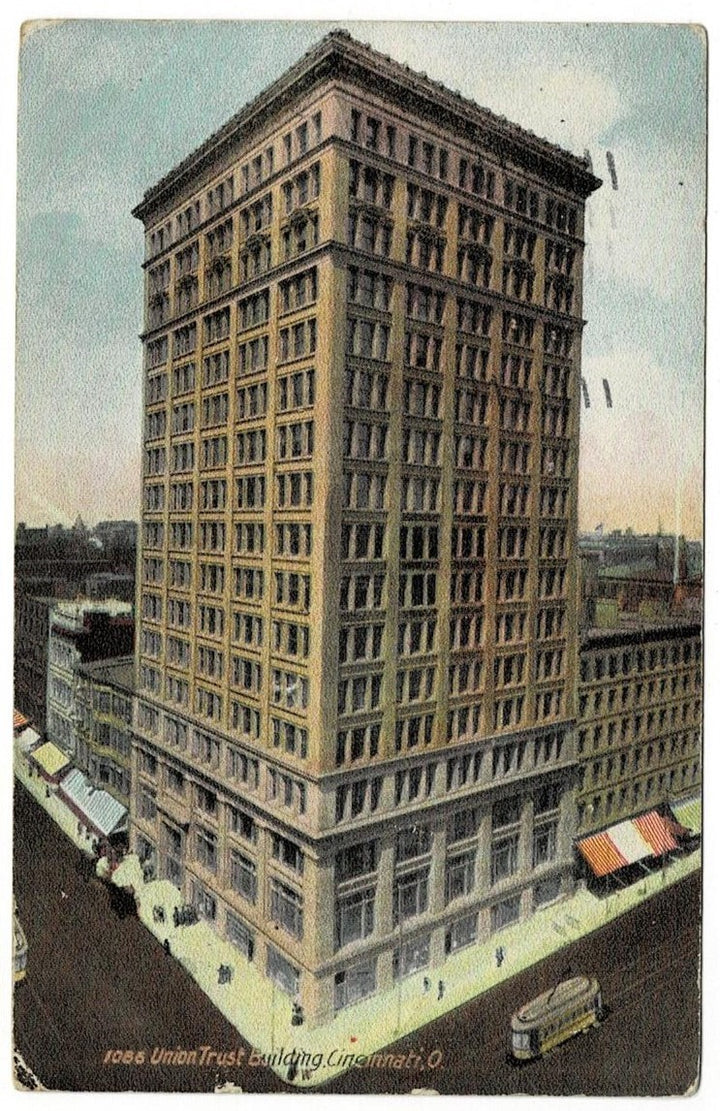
{"type": "Point", "coordinates": [688, 813]}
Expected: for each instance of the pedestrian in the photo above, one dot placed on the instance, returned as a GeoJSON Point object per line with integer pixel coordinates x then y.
{"type": "Point", "coordinates": [176, 917]}
{"type": "Point", "coordinates": [426, 985]}
{"type": "Point", "coordinates": [499, 955]}
{"type": "Point", "coordinates": [441, 989]}
{"type": "Point", "coordinates": [166, 946]}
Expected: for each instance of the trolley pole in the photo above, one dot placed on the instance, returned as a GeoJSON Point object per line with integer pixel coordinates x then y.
{"type": "Point", "coordinates": [400, 969]}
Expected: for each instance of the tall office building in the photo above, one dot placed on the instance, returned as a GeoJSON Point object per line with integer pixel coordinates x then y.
{"type": "Point", "coordinates": [357, 588]}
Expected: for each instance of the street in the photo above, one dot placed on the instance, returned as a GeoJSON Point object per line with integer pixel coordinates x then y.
{"type": "Point", "coordinates": [99, 985]}
{"type": "Point", "coordinates": [647, 965]}
{"type": "Point", "coordinates": [97, 982]}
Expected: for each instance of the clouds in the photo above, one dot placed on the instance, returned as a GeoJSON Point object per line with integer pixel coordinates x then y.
{"type": "Point", "coordinates": [84, 56]}
{"type": "Point", "coordinates": [636, 456]}
{"type": "Point", "coordinates": [649, 234]}
{"type": "Point", "coordinates": [109, 107]}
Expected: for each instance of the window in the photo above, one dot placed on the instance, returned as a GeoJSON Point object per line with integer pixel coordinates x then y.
{"type": "Point", "coordinates": [504, 856]}
{"type": "Point", "coordinates": [284, 974]}
{"type": "Point", "coordinates": [366, 287]}
{"type": "Point", "coordinates": [243, 876]}
{"type": "Point", "coordinates": [216, 326]}
{"type": "Point", "coordinates": [287, 853]}
{"type": "Point", "coordinates": [243, 769]}
{"type": "Point", "coordinates": [298, 291]}
{"type": "Point", "coordinates": [292, 738]}
{"type": "Point", "coordinates": [147, 807]}
{"type": "Point", "coordinates": [356, 860]}
{"type": "Point", "coordinates": [410, 895]}
{"type": "Point", "coordinates": [360, 796]}
{"type": "Point", "coordinates": [205, 903]}
{"type": "Point", "coordinates": [286, 908]}
{"type": "Point", "coordinates": [354, 984]}
{"type": "Point", "coordinates": [293, 540]}
{"type": "Point", "coordinates": [206, 849]}
{"type": "Point", "coordinates": [412, 842]}
{"type": "Point", "coordinates": [354, 916]}
{"type": "Point", "coordinates": [206, 800]}
{"type": "Point", "coordinates": [459, 876]}
{"type": "Point", "coordinates": [296, 391]}
{"type": "Point", "coordinates": [301, 235]}
{"type": "Point", "coordinates": [461, 933]}
{"type": "Point", "coordinates": [175, 781]}
{"type": "Point", "coordinates": [240, 936]}
{"type": "Point", "coordinates": [505, 913]}
{"type": "Point", "coordinates": [148, 763]}
{"type": "Point", "coordinates": [294, 441]}
{"type": "Point", "coordinates": [297, 341]}
{"type": "Point", "coordinates": [546, 891]}
{"type": "Point", "coordinates": [411, 956]}
{"type": "Point", "coordinates": [369, 185]}
{"type": "Point", "coordinates": [370, 233]}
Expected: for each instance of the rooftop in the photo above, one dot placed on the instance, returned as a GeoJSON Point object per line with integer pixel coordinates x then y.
{"type": "Point", "coordinates": [76, 609]}
{"type": "Point", "coordinates": [641, 632]}
{"type": "Point", "coordinates": [115, 672]}
{"type": "Point", "coordinates": [339, 55]}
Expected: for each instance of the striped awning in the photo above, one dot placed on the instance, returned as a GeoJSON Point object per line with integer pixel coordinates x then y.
{"type": "Point", "coordinates": [656, 832]}
{"type": "Point", "coordinates": [19, 720]}
{"type": "Point", "coordinates": [627, 843]}
{"type": "Point", "coordinates": [688, 813]}
{"type": "Point", "coordinates": [602, 854]}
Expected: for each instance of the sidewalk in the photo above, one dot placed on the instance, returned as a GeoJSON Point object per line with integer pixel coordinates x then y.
{"type": "Point", "coordinates": [262, 1012]}
{"type": "Point", "coordinates": [46, 794]}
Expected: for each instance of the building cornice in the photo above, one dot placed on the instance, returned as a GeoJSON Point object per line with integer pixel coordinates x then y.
{"type": "Point", "coordinates": [594, 639]}
{"type": "Point", "coordinates": [338, 57]}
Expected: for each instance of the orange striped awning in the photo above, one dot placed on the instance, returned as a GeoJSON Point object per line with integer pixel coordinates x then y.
{"type": "Point", "coordinates": [602, 854]}
{"type": "Point", "coordinates": [19, 720]}
{"type": "Point", "coordinates": [627, 843]}
{"type": "Point", "coordinates": [656, 831]}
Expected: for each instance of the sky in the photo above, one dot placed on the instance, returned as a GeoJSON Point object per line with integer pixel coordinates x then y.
{"type": "Point", "coordinates": [107, 107]}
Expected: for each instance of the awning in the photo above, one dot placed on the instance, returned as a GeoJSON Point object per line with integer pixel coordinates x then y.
{"type": "Point", "coordinates": [627, 843]}
{"type": "Point", "coordinates": [50, 759]}
{"type": "Point", "coordinates": [28, 739]}
{"type": "Point", "coordinates": [96, 808]}
{"type": "Point", "coordinates": [602, 854]}
{"type": "Point", "coordinates": [688, 813]}
{"type": "Point", "coordinates": [19, 720]}
{"type": "Point", "coordinates": [656, 832]}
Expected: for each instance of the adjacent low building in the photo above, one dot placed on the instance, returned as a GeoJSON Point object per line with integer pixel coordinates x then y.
{"type": "Point", "coordinates": [105, 700]}
{"type": "Point", "coordinates": [32, 633]}
{"type": "Point", "coordinates": [80, 632]}
{"type": "Point", "coordinates": [639, 722]}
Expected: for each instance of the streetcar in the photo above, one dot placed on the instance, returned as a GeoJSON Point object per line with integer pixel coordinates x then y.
{"type": "Point", "coordinates": [20, 951]}
{"type": "Point", "coordinates": [571, 1007]}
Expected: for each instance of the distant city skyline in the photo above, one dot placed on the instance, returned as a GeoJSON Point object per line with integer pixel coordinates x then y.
{"type": "Point", "coordinates": [119, 95]}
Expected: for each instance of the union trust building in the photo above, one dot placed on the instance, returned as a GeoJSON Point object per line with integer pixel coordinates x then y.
{"type": "Point", "coordinates": [358, 613]}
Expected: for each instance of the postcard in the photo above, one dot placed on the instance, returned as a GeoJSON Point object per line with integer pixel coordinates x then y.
{"type": "Point", "coordinates": [358, 682]}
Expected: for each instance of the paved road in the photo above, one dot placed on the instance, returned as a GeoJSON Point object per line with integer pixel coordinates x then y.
{"type": "Point", "coordinates": [97, 982]}
{"type": "Point", "coordinates": [647, 964]}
